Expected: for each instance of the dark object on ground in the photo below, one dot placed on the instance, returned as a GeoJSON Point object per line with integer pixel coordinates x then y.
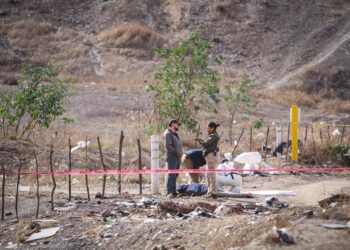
{"type": "Point", "coordinates": [340, 198]}
{"type": "Point", "coordinates": [284, 237]}
{"type": "Point", "coordinates": [11, 81]}
{"type": "Point", "coordinates": [193, 189]}
{"type": "Point", "coordinates": [276, 203]}
{"type": "Point", "coordinates": [281, 148]}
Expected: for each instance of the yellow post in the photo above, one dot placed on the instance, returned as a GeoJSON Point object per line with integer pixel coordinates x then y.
{"type": "Point", "coordinates": [295, 118]}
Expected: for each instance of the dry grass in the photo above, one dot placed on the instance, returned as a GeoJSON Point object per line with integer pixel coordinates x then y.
{"type": "Point", "coordinates": [335, 106]}
{"type": "Point", "coordinates": [331, 105]}
{"type": "Point", "coordinates": [130, 35]}
{"type": "Point", "coordinates": [288, 98]}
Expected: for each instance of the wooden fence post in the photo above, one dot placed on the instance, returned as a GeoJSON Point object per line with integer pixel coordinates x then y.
{"type": "Point", "coordinates": [104, 167]}
{"type": "Point", "coordinates": [288, 134]}
{"type": "Point", "coordinates": [250, 138]}
{"type": "Point", "coordinates": [37, 186]}
{"type": "Point", "coordinates": [70, 169]}
{"type": "Point", "coordinates": [239, 139]}
{"type": "Point", "coordinates": [121, 139]}
{"type": "Point", "coordinates": [267, 137]}
{"type": "Point", "coordinates": [53, 179]}
{"type": "Point", "coordinates": [306, 127]}
{"type": "Point", "coordinates": [87, 168]}
{"type": "Point", "coordinates": [140, 164]}
{"type": "Point", "coordinates": [17, 187]}
{"type": "Point", "coordinates": [342, 134]}
{"type": "Point", "coordinates": [3, 193]}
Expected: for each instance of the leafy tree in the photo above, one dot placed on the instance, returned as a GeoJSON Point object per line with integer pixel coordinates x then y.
{"type": "Point", "coordinates": [185, 84]}
{"type": "Point", "coordinates": [238, 99]}
{"type": "Point", "coordinates": [37, 102]}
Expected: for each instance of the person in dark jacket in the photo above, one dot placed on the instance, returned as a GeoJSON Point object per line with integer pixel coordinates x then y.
{"type": "Point", "coordinates": [173, 149]}
{"type": "Point", "coordinates": [194, 159]}
{"type": "Point", "coordinates": [211, 154]}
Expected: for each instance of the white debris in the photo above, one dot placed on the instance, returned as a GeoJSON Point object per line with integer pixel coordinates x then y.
{"type": "Point", "coordinates": [336, 132]}
{"type": "Point", "coordinates": [80, 145]}
{"type": "Point", "coordinates": [248, 157]}
{"type": "Point", "coordinates": [44, 233]}
{"type": "Point", "coordinates": [222, 210]}
{"type": "Point", "coordinates": [23, 188]}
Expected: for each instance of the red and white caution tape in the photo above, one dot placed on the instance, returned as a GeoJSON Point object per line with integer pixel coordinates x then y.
{"type": "Point", "coordinates": [179, 171]}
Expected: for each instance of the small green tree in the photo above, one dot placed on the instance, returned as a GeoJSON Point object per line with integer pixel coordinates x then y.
{"type": "Point", "coordinates": [185, 84]}
{"type": "Point", "coordinates": [37, 102]}
{"type": "Point", "coordinates": [239, 98]}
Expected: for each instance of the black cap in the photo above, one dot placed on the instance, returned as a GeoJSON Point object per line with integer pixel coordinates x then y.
{"type": "Point", "coordinates": [213, 125]}
{"type": "Point", "coordinates": [173, 121]}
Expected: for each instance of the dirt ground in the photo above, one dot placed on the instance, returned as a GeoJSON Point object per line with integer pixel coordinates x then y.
{"type": "Point", "coordinates": [111, 223]}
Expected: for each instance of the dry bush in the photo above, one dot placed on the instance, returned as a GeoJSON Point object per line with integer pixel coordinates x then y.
{"type": "Point", "coordinates": [31, 33]}
{"type": "Point", "coordinates": [130, 35]}
{"type": "Point", "coordinates": [316, 153]}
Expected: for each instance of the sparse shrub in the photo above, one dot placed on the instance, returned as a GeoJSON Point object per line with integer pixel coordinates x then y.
{"type": "Point", "coordinates": [34, 103]}
{"type": "Point", "coordinates": [257, 124]}
{"type": "Point", "coordinates": [239, 98]}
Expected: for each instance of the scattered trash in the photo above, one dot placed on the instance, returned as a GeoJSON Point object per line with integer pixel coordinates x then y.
{"type": "Point", "coordinates": [339, 198]}
{"type": "Point", "coordinates": [274, 202]}
{"type": "Point", "coordinates": [248, 158]}
{"type": "Point", "coordinates": [169, 207]}
{"type": "Point", "coordinates": [44, 233]}
{"type": "Point", "coordinates": [307, 214]}
{"type": "Point", "coordinates": [283, 236]}
{"type": "Point", "coordinates": [198, 212]}
{"type": "Point", "coordinates": [149, 202]}
{"type": "Point", "coordinates": [66, 207]}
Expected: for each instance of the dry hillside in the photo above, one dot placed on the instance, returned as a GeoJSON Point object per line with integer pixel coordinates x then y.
{"type": "Point", "coordinates": [279, 42]}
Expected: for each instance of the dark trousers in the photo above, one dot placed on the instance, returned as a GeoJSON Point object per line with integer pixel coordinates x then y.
{"type": "Point", "coordinates": [173, 163]}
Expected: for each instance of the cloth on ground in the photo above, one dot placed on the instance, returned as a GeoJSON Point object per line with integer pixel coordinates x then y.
{"type": "Point", "coordinates": [197, 158]}
{"type": "Point", "coordinates": [193, 189]}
